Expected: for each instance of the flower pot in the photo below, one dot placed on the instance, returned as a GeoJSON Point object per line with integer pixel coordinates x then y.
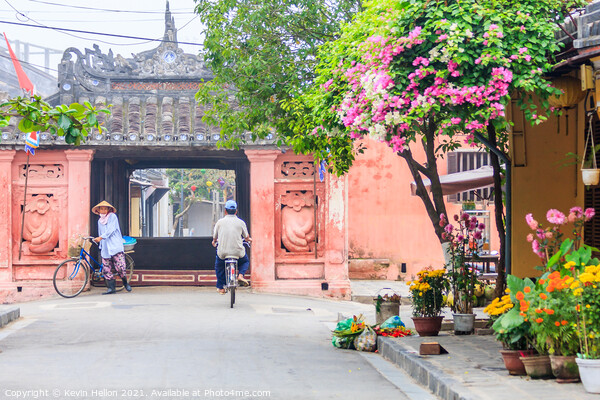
{"type": "Point", "coordinates": [564, 369]}
{"type": "Point", "coordinates": [428, 326]}
{"type": "Point", "coordinates": [512, 360]}
{"type": "Point", "coordinates": [589, 371]}
{"type": "Point", "coordinates": [590, 176]}
{"type": "Point", "coordinates": [463, 324]}
{"type": "Point", "coordinates": [387, 309]}
{"type": "Point", "coordinates": [537, 367]}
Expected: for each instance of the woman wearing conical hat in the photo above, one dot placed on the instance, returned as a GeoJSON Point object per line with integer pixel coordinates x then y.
{"type": "Point", "coordinates": [110, 242]}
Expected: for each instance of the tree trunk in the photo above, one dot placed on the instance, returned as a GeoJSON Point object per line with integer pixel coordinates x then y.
{"type": "Point", "coordinates": [434, 201]}
{"type": "Point", "coordinates": [499, 213]}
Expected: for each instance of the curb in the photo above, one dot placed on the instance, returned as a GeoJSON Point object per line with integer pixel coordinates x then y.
{"type": "Point", "coordinates": [422, 371]}
{"type": "Point", "coordinates": [8, 314]}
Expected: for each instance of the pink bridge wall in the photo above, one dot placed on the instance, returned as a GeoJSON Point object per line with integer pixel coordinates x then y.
{"type": "Point", "coordinates": [387, 224]}
{"type": "Point", "coordinates": [58, 206]}
{"type": "Point", "coordinates": [291, 253]}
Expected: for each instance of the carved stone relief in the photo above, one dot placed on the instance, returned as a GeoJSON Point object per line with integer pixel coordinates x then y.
{"type": "Point", "coordinates": [41, 230]}
{"type": "Point", "coordinates": [298, 221]}
{"type": "Point", "coordinates": [297, 169]}
{"type": "Point", "coordinates": [43, 171]}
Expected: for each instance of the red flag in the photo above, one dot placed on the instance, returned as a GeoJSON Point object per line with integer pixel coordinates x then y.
{"type": "Point", "coordinates": [24, 81]}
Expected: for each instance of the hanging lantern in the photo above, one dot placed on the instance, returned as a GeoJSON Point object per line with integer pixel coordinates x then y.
{"type": "Point", "coordinates": [571, 92]}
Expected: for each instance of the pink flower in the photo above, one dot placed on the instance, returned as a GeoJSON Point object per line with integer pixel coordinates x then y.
{"type": "Point", "coordinates": [530, 237]}
{"type": "Point", "coordinates": [555, 217]}
{"type": "Point", "coordinates": [533, 224]}
{"type": "Point", "coordinates": [522, 50]}
{"type": "Point", "coordinates": [589, 213]}
{"type": "Point", "coordinates": [460, 237]}
{"type": "Point", "coordinates": [449, 228]}
{"type": "Point", "coordinates": [455, 120]}
{"type": "Point", "coordinates": [578, 211]}
{"type": "Point", "coordinates": [535, 246]}
{"type": "Point", "coordinates": [549, 235]}
{"type": "Point", "coordinates": [481, 226]}
{"type": "Point", "coordinates": [477, 235]}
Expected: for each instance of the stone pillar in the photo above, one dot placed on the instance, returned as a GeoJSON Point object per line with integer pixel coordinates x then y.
{"type": "Point", "coordinates": [262, 215]}
{"type": "Point", "coordinates": [6, 234]}
{"type": "Point", "coordinates": [336, 266]}
{"type": "Point", "coordinates": [78, 192]}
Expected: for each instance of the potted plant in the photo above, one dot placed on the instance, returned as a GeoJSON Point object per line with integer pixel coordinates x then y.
{"type": "Point", "coordinates": [427, 293]}
{"type": "Point", "coordinates": [550, 303]}
{"type": "Point", "coordinates": [512, 330]}
{"type": "Point", "coordinates": [590, 173]}
{"type": "Point", "coordinates": [462, 252]}
{"type": "Point", "coordinates": [588, 327]}
{"type": "Point", "coordinates": [386, 305]}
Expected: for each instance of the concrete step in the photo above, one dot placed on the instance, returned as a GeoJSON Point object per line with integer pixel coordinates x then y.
{"type": "Point", "coordinates": [8, 314]}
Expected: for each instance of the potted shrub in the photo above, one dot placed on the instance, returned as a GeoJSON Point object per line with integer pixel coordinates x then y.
{"type": "Point", "coordinates": [588, 327]}
{"type": "Point", "coordinates": [462, 252]}
{"type": "Point", "coordinates": [513, 331]}
{"type": "Point", "coordinates": [427, 293]}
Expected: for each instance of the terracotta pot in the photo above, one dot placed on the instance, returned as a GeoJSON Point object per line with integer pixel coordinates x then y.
{"type": "Point", "coordinates": [512, 360]}
{"type": "Point", "coordinates": [428, 326]}
{"type": "Point", "coordinates": [564, 369]}
{"type": "Point", "coordinates": [538, 367]}
{"type": "Point", "coordinates": [589, 370]}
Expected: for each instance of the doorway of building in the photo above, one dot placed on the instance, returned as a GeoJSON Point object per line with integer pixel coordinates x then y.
{"type": "Point", "coordinates": [169, 202]}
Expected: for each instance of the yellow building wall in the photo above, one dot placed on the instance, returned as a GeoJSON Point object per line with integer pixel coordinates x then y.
{"type": "Point", "coordinates": [539, 183]}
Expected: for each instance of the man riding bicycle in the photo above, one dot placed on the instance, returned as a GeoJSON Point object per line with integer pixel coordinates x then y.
{"type": "Point", "coordinates": [227, 237]}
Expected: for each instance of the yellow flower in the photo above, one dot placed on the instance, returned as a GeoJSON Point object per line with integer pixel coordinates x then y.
{"type": "Point", "coordinates": [577, 292]}
{"type": "Point", "coordinates": [569, 264]}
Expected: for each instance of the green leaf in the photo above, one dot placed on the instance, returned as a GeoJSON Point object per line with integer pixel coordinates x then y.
{"type": "Point", "coordinates": [64, 122]}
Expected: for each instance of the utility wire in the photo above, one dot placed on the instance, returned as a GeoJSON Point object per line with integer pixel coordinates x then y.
{"type": "Point", "coordinates": [108, 10]}
{"type": "Point", "coordinates": [65, 31]}
{"type": "Point", "coordinates": [100, 33]}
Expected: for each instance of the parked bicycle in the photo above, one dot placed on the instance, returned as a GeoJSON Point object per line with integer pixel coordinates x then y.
{"type": "Point", "coordinates": [71, 276]}
{"type": "Point", "coordinates": [231, 276]}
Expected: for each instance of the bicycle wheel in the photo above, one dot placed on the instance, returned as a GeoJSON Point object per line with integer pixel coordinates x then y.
{"type": "Point", "coordinates": [71, 277]}
{"type": "Point", "coordinates": [232, 291]}
{"type": "Point", "coordinates": [129, 264]}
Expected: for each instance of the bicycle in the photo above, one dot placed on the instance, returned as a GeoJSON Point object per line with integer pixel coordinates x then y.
{"type": "Point", "coordinates": [231, 276]}
{"type": "Point", "coordinates": [71, 276]}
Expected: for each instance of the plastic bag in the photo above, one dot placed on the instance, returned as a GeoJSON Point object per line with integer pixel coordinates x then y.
{"type": "Point", "coordinates": [392, 322]}
{"type": "Point", "coordinates": [343, 342]}
{"type": "Point", "coordinates": [367, 340]}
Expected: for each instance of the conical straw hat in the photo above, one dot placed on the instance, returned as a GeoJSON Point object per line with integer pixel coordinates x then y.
{"type": "Point", "coordinates": [104, 203]}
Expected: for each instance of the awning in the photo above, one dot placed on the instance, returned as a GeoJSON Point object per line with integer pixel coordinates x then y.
{"type": "Point", "coordinates": [461, 181]}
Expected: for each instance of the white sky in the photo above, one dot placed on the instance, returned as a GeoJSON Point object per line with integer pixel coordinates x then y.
{"type": "Point", "coordinates": [140, 18]}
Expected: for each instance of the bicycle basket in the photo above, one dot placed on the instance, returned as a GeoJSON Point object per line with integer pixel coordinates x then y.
{"type": "Point", "coordinates": [75, 244]}
{"type": "Point", "coordinates": [129, 243]}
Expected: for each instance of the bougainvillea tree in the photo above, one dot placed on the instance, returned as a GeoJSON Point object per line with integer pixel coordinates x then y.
{"type": "Point", "coordinates": [432, 73]}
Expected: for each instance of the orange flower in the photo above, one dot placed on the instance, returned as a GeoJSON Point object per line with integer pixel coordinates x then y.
{"type": "Point", "coordinates": [538, 310]}
{"type": "Point", "coordinates": [543, 296]}
{"type": "Point", "coordinates": [557, 323]}
{"type": "Point", "coordinates": [539, 320]}
{"type": "Point", "coordinates": [554, 275]}
{"type": "Point", "coordinates": [563, 322]}
{"type": "Point", "coordinates": [520, 296]}
{"type": "Point", "coordinates": [550, 289]}
{"type": "Point", "coordinates": [549, 311]}
{"type": "Point", "coordinates": [542, 281]}
{"type": "Point", "coordinates": [524, 305]}
{"type": "Point", "coordinates": [578, 307]}
{"type": "Point", "coordinates": [527, 289]}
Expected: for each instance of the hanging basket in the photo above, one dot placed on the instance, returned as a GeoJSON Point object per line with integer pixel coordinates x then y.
{"type": "Point", "coordinates": [571, 92]}
{"type": "Point", "coordinates": [590, 176]}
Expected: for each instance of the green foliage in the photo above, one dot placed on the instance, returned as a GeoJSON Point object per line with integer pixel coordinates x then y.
{"type": "Point", "coordinates": [75, 122]}
{"type": "Point", "coordinates": [262, 53]}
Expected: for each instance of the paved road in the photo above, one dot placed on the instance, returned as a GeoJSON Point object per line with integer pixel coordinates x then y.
{"type": "Point", "coordinates": [187, 343]}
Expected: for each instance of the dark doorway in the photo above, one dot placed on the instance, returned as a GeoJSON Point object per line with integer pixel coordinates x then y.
{"type": "Point", "coordinates": [111, 173]}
